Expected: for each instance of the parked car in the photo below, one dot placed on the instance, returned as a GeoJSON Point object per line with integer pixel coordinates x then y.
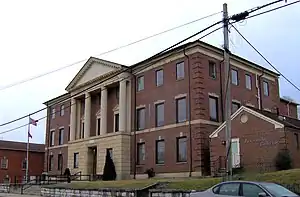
{"type": "Point", "coordinates": [245, 189]}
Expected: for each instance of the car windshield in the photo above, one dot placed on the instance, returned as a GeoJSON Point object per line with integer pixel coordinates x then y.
{"type": "Point", "coordinates": [278, 190]}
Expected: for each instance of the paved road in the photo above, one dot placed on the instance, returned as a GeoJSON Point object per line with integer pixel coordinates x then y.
{"type": "Point", "coordinates": [16, 195]}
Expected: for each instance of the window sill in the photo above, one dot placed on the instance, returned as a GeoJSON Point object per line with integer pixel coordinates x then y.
{"type": "Point", "coordinates": [159, 85]}
{"type": "Point", "coordinates": [138, 91]}
{"type": "Point", "coordinates": [181, 162]}
{"type": "Point", "coordinates": [180, 79]}
{"type": "Point", "coordinates": [160, 164]}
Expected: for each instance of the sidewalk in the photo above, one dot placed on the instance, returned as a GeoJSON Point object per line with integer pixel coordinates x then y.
{"type": "Point", "coordinates": [15, 195]}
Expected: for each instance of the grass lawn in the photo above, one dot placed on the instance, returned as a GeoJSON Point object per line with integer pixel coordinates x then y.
{"type": "Point", "coordinates": [283, 177]}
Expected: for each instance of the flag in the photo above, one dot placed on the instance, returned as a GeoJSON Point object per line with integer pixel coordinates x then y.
{"type": "Point", "coordinates": [33, 122]}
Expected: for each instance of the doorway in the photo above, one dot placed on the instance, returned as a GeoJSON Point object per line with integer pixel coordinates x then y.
{"type": "Point", "coordinates": [92, 160]}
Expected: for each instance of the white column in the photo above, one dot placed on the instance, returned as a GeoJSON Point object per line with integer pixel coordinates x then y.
{"type": "Point", "coordinates": [87, 114]}
{"type": "Point", "coordinates": [122, 106]}
{"type": "Point", "coordinates": [103, 120]}
{"type": "Point", "coordinates": [73, 119]}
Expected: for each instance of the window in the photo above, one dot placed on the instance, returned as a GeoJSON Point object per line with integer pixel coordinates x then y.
{"type": "Point", "coordinates": [159, 77]}
{"type": "Point", "coordinates": [229, 189]}
{"type": "Point", "coordinates": [76, 161]}
{"type": "Point", "coordinates": [117, 92]}
{"type": "Point", "coordinates": [180, 70]}
{"type": "Point", "coordinates": [82, 130]}
{"type": "Point", "coordinates": [181, 145]}
{"type": "Point", "coordinates": [51, 158]}
{"type": "Point", "coordinates": [160, 152]}
{"type": "Point", "coordinates": [248, 82]}
{"type": "Point", "coordinates": [234, 77]}
{"type": "Point", "coordinates": [141, 117]}
{"type": "Point", "coordinates": [181, 110]}
{"type": "Point", "coordinates": [297, 140]}
{"type": "Point", "coordinates": [52, 133]}
{"type": "Point", "coordinates": [53, 113]}
{"type": "Point", "coordinates": [61, 136]}
{"type": "Point", "coordinates": [116, 122]}
{"type": "Point", "coordinates": [59, 162]}
{"type": "Point", "coordinates": [24, 164]}
{"type": "Point", "coordinates": [235, 106]}
{"type": "Point", "coordinates": [251, 190]}
{"type": "Point", "coordinates": [159, 114]}
{"type": "Point", "coordinates": [110, 151]}
{"type": "Point", "coordinates": [140, 153]}
{"type": "Point", "coordinates": [98, 125]}
{"type": "Point", "coordinates": [213, 108]}
{"type": "Point", "coordinates": [4, 163]}
{"type": "Point", "coordinates": [266, 88]}
{"type": "Point", "coordinates": [69, 132]}
{"type": "Point", "coordinates": [140, 83]}
{"type": "Point", "coordinates": [62, 110]}
{"type": "Point", "coordinates": [212, 69]}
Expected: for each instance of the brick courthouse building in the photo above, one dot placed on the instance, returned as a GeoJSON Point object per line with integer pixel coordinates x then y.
{"type": "Point", "coordinates": [157, 114]}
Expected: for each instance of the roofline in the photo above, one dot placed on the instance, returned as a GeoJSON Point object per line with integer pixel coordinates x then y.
{"type": "Point", "coordinates": [210, 47]}
{"type": "Point", "coordinates": [57, 99]}
{"type": "Point", "coordinates": [21, 149]}
{"type": "Point", "coordinates": [288, 101]}
{"type": "Point", "coordinates": [249, 110]}
{"type": "Point", "coordinates": [89, 61]}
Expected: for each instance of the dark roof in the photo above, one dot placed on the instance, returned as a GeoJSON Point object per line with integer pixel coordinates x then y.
{"type": "Point", "coordinates": [288, 101]}
{"type": "Point", "coordinates": [21, 146]}
{"type": "Point", "coordinates": [286, 121]}
{"type": "Point", "coordinates": [219, 50]}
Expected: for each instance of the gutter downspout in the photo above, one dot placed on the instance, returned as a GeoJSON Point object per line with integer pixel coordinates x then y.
{"type": "Point", "coordinates": [134, 126]}
{"type": "Point", "coordinates": [258, 86]}
{"type": "Point", "coordinates": [48, 133]}
{"type": "Point", "coordinates": [190, 114]}
{"type": "Point", "coordinates": [221, 91]}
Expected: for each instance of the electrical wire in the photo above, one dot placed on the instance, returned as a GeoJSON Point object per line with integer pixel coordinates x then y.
{"type": "Point", "coordinates": [109, 51]}
{"type": "Point", "coordinates": [288, 80]}
{"type": "Point", "coordinates": [126, 70]}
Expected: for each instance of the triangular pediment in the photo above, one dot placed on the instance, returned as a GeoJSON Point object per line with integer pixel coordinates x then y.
{"type": "Point", "coordinates": [93, 69]}
{"type": "Point", "coordinates": [246, 110]}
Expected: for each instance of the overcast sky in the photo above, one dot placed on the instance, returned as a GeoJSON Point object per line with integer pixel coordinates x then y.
{"type": "Point", "coordinates": [41, 36]}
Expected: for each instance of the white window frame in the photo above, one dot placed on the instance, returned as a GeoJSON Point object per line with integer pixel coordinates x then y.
{"type": "Point", "coordinates": [116, 111]}
{"type": "Point", "coordinates": [4, 163]}
{"type": "Point", "coordinates": [53, 112]}
{"type": "Point", "coordinates": [52, 143]}
{"type": "Point", "coordinates": [236, 159]}
{"type": "Point", "coordinates": [62, 110]}
{"type": "Point", "coordinates": [138, 84]}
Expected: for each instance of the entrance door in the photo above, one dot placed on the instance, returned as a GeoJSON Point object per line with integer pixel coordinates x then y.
{"type": "Point", "coordinates": [94, 171]}
{"type": "Point", "coordinates": [235, 150]}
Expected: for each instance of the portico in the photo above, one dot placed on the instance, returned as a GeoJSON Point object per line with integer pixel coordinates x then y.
{"type": "Point", "coordinates": [107, 91]}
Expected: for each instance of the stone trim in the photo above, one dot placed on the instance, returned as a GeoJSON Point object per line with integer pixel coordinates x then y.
{"type": "Point", "coordinates": [179, 96]}
{"type": "Point", "coordinates": [159, 102]}
{"type": "Point", "coordinates": [213, 94]}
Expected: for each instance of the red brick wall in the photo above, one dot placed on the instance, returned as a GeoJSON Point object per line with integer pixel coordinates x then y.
{"type": "Point", "coordinates": [15, 158]}
{"type": "Point", "coordinates": [253, 135]}
{"type": "Point", "coordinates": [288, 109]}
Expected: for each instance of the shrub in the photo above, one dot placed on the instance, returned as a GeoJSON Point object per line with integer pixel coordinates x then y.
{"type": "Point", "coordinates": [283, 160]}
{"type": "Point", "coordinates": [109, 171]}
{"type": "Point", "coordinates": [150, 173]}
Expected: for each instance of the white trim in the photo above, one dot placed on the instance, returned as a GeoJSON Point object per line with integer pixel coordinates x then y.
{"type": "Point", "coordinates": [267, 109]}
{"type": "Point", "coordinates": [140, 106]}
{"type": "Point", "coordinates": [236, 101]}
{"type": "Point", "coordinates": [213, 94]}
{"type": "Point", "coordinates": [62, 127]}
{"type": "Point", "coordinates": [236, 158]}
{"type": "Point", "coordinates": [159, 102]}
{"type": "Point", "coordinates": [250, 111]}
{"type": "Point", "coordinates": [250, 105]}
{"type": "Point", "coordinates": [116, 108]}
{"type": "Point", "coordinates": [179, 96]}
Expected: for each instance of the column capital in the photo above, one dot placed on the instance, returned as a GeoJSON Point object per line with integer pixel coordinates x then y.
{"type": "Point", "coordinates": [124, 75]}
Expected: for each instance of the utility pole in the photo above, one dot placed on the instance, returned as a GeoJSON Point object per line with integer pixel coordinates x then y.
{"type": "Point", "coordinates": [227, 94]}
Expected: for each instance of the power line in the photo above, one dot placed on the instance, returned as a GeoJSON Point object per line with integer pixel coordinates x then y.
{"type": "Point", "coordinates": [109, 51]}
{"type": "Point", "coordinates": [265, 58]}
{"type": "Point", "coordinates": [279, 7]}
{"type": "Point", "coordinates": [126, 70]}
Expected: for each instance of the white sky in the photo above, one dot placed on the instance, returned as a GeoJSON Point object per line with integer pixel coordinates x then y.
{"type": "Point", "coordinates": [41, 36]}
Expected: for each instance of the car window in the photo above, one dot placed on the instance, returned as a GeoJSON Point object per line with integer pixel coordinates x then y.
{"type": "Point", "coordinates": [251, 190]}
{"type": "Point", "coordinates": [215, 189]}
{"type": "Point", "coordinates": [278, 190]}
{"type": "Point", "coordinates": [230, 189]}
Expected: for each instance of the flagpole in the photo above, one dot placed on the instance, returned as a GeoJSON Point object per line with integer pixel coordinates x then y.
{"type": "Point", "coordinates": [27, 150]}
